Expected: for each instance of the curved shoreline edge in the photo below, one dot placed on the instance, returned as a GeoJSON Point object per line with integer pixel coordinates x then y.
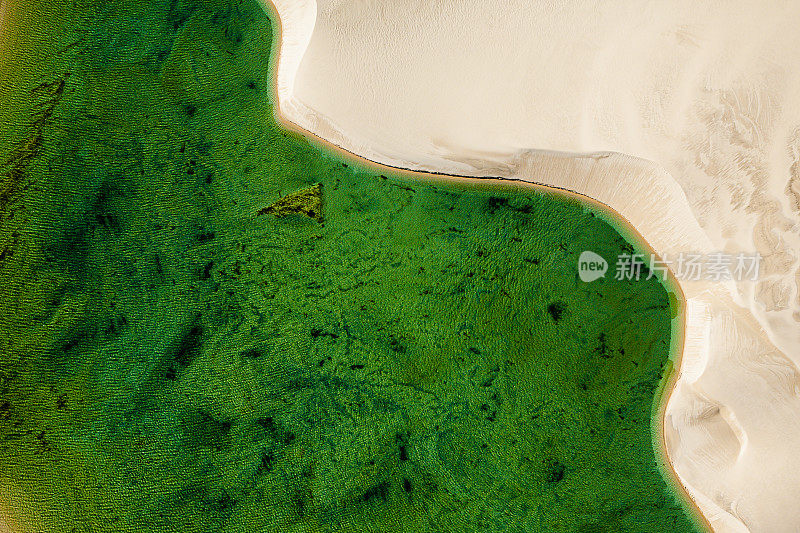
{"type": "Point", "coordinates": [686, 334]}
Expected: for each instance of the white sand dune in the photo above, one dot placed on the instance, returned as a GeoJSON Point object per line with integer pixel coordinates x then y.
{"type": "Point", "coordinates": [684, 117]}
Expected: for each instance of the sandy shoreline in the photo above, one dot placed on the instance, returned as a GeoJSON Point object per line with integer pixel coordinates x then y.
{"type": "Point", "coordinates": [708, 166]}
{"type": "Point", "coordinates": [601, 208]}
{"type": "Point", "coordinates": [726, 418]}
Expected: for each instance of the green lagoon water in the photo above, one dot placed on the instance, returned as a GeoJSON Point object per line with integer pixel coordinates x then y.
{"type": "Point", "coordinates": [210, 324]}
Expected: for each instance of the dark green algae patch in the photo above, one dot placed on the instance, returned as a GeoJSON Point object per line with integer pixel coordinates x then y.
{"type": "Point", "coordinates": [188, 344]}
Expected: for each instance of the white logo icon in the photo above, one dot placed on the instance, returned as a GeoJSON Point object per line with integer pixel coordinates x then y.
{"type": "Point", "coordinates": [591, 266]}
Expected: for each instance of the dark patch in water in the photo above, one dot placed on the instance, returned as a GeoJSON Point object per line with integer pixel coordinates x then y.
{"type": "Point", "coordinates": [381, 490]}
{"type": "Point", "coordinates": [555, 472]}
{"type": "Point", "coordinates": [556, 310]}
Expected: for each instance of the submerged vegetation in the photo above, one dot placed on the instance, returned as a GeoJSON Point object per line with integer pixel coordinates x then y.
{"type": "Point", "coordinates": [307, 202]}
{"type": "Point", "coordinates": [188, 343]}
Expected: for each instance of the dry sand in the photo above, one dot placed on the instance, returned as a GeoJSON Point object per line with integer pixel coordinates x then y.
{"type": "Point", "coordinates": [684, 117]}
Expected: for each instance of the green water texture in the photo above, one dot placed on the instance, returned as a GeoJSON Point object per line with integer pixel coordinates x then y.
{"type": "Point", "coordinates": [183, 351]}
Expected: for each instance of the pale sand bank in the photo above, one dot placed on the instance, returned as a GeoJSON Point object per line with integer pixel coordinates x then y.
{"type": "Point", "coordinates": [708, 93]}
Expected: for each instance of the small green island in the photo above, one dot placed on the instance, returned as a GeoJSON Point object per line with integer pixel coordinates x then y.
{"type": "Point", "coordinates": [209, 323]}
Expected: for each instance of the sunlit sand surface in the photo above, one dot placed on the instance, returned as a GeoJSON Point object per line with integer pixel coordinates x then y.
{"type": "Point", "coordinates": [687, 116]}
